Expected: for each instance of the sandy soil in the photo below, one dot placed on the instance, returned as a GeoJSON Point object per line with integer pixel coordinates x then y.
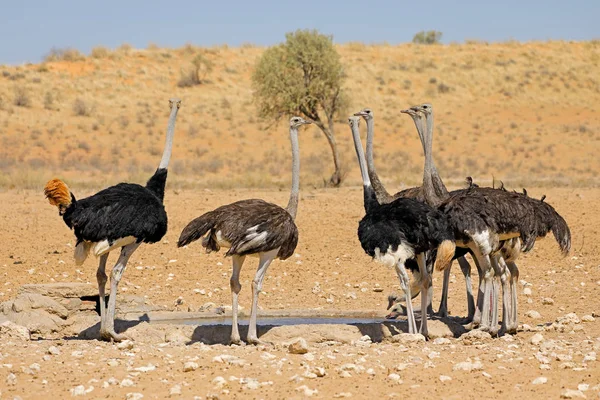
{"type": "Point", "coordinates": [38, 248]}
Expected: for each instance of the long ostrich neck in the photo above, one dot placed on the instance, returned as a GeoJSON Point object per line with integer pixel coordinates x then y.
{"type": "Point", "coordinates": [382, 195]}
{"type": "Point", "coordinates": [434, 189]}
{"type": "Point", "coordinates": [292, 207]}
{"type": "Point", "coordinates": [370, 198]}
{"type": "Point", "coordinates": [164, 162]}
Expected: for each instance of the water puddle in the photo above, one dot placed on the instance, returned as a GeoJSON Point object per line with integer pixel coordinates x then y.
{"type": "Point", "coordinates": [273, 321]}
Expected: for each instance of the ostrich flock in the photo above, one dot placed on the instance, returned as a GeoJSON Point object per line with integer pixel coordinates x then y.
{"type": "Point", "coordinates": [419, 229]}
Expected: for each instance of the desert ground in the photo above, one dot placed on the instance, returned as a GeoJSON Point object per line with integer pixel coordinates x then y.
{"type": "Point", "coordinates": [523, 113]}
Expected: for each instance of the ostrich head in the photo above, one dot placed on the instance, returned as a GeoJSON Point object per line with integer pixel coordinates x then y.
{"type": "Point", "coordinates": [412, 112]}
{"type": "Point", "coordinates": [296, 122]}
{"type": "Point", "coordinates": [174, 102]}
{"type": "Point", "coordinates": [354, 121]}
{"type": "Point", "coordinates": [366, 113]}
{"type": "Point", "coordinates": [425, 108]}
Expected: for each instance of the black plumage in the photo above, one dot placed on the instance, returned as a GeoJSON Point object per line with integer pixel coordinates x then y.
{"type": "Point", "coordinates": [403, 221]}
{"type": "Point", "coordinates": [119, 211]}
{"type": "Point", "coordinates": [249, 226]}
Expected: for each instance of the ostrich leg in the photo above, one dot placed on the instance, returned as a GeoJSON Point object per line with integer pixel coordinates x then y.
{"type": "Point", "coordinates": [514, 278]}
{"type": "Point", "coordinates": [405, 285]}
{"type": "Point", "coordinates": [265, 260]}
{"type": "Point", "coordinates": [102, 278]}
{"type": "Point", "coordinates": [425, 285]}
{"type": "Point", "coordinates": [443, 309]}
{"type": "Point", "coordinates": [466, 270]}
{"type": "Point", "coordinates": [234, 283]}
{"type": "Point", "coordinates": [108, 333]}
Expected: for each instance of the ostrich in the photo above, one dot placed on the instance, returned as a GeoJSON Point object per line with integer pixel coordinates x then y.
{"type": "Point", "coordinates": [121, 216]}
{"type": "Point", "coordinates": [404, 229]}
{"type": "Point", "coordinates": [434, 193]}
{"type": "Point", "coordinates": [251, 228]}
{"type": "Point", "coordinates": [431, 182]}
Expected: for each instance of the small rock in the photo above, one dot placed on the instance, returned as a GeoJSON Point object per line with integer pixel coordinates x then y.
{"type": "Point", "coordinates": [134, 396]}
{"type": "Point", "coordinates": [370, 371]}
{"type": "Point", "coordinates": [53, 350]}
{"type": "Point", "coordinates": [394, 377]}
{"type": "Point", "coordinates": [583, 387]}
{"type": "Point", "coordinates": [306, 390]}
{"type": "Point", "coordinates": [78, 391]}
{"type": "Point", "coordinates": [125, 345]}
{"type": "Point", "coordinates": [190, 366]}
{"type": "Point", "coordinates": [298, 346]}
{"type": "Point", "coordinates": [345, 374]}
{"type": "Point", "coordinates": [408, 338]}
{"type": "Point", "coordinates": [441, 340]}
{"type": "Point", "coordinates": [536, 339]}
{"type": "Point", "coordinates": [175, 390]}
{"type": "Point", "coordinates": [475, 337]}
{"type": "Point", "coordinates": [587, 318]}
{"type": "Point", "coordinates": [127, 383]}
{"type": "Point", "coordinates": [540, 380]}
{"type": "Point", "coordinates": [533, 314]}
{"type": "Point", "coordinates": [591, 356]}
{"type": "Point", "coordinates": [11, 379]}
{"type": "Point", "coordinates": [572, 394]}
{"type": "Point", "coordinates": [319, 371]}
{"type": "Point", "coordinates": [342, 394]}
{"type": "Point", "coordinates": [570, 318]}
{"type": "Point", "coordinates": [468, 366]}
{"type": "Point", "coordinates": [547, 301]}
{"type": "Point", "coordinates": [219, 381]}
{"type": "Point", "coordinates": [445, 378]}
{"type": "Point", "coordinates": [148, 368]}
{"type": "Point", "coordinates": [527, 291]}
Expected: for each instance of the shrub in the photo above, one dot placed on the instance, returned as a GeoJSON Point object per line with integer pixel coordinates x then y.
{"type": "Point", "coordinates": [66, 54]}
{"type": "Point", "coordinates": [429, 37]}
{"type": "Point", "coordinates": [81, 108]}
{"type": "Point", "coordinates": [21, 98]}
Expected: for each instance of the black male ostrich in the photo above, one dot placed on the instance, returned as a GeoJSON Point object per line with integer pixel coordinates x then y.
{"type": "Point", "coordinates": [124, 215]}
{"type": "Point", "coordinates": [404, 229]}
{"type": "Point", "coordinates": [251, 228]}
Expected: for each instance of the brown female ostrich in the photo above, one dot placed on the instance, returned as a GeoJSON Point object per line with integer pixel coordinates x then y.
{"type": "Point", "coordinates": [251, 228]}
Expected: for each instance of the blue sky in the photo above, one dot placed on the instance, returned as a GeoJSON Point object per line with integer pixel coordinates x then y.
{"type": "Point", "coordinates": [28, 29]}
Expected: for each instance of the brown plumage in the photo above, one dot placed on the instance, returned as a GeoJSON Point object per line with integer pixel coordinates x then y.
{"type": "Point", "coordinates": [248, 226]}
{"type": "Point", "coordinates": [58, 194]}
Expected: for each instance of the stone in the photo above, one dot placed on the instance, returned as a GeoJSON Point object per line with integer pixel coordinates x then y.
{"type": "Point", "coordinates": [190, 366]}
{"type": "Point", "coordinates": [587, 318]}
{"type": "Point", "coordinates": [572, 394]}
{"type": "Point", "coordinates": [406, 338]}
{"type": "Point", "coordinates": [219, 381]}
{"type": "Point", "coordinates": [527, 291]}
{"type": "Point", "coordinates": [306, 390]}
{"type": "Point", "coordinates": [536, 339]}
{"type": "Point", "coordinates": [468, 366]}
{"type": "Point", "coordinates": [11, 379]}
{"type": "Point", "coordinates": [533, 314]}
{"type": "Point", "coordinates": [78, 391]}
{"type": "Point", "coordinates": [570, 318]}
{"type": "Point", "coordinates": [61, 289]}
{"type": "Point", "coordinates": [445, 378]}
{"type": "Point", "coordinates": [394, 377]}
{"type": "Point", "coordinates": [53, 350]}
{"type": "Point", "coordinates": [125, 345]}
{"type": "Point", "coordinates": [126, 383]}
{"type": "Point", "coordinates": [540, 380]}
{"type": "Point", "coordinates": [475, 337]}
{"type": "Point", "coordinates": [547, 301]}
{"type": "Point", "coordinates": [319, 372]}
{"type": "Point", "coordinates": [175, 390]}
{"type": "Point", "coordinates": [11, 330]}
{"type": "Point", "coordinates": [441, 340]}
{"type": "Point", "coordinates": [134, 396]}
{"type": "Point", "coordinates": [298, 346]}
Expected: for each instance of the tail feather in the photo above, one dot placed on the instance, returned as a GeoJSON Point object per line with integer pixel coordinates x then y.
{"type": "Point", "coordinates": [562, 234]}
{"type": "Point", "coordinates": [58, 194]}
{"type": "Point", "coordinates": [445, 253]}
{"type": "Point", "coordinates": [196, 229]}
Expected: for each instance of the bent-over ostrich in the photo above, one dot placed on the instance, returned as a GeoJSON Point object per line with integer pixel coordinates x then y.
{"type": "Point", "coordinates": [251, 228]}
{"type": "Point", "coordinates": [404, 229]}
{"type": "Point", "coordinates": [121, 216]}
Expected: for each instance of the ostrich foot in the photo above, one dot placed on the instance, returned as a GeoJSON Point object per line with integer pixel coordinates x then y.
{"type": "Point", "coordinates": [112, 336]}
{"type": "Point", "coordinates": [471, 325]}
{"type": "Point", "coordinates": [236, 340]}
{"type": "Point", "coordinates": [442, 313]}
{"type": "Point", "coordinates": [257, 342]}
